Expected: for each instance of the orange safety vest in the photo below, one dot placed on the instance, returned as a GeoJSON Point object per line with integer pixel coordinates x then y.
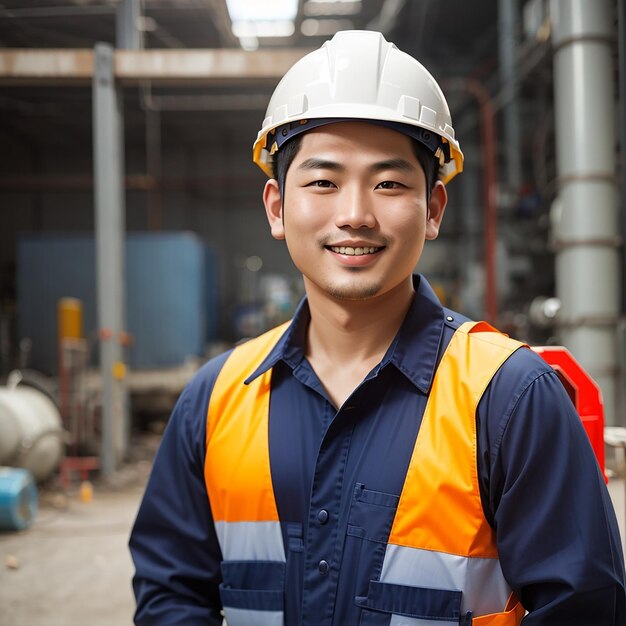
{"type": "Point", "coordinates": [439, 540]}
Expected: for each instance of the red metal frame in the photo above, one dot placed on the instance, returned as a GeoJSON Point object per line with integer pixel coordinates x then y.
{"type": "Point", "coordinates": [81, 464]}
{"type": "Point", "coordinates": [583, 391]}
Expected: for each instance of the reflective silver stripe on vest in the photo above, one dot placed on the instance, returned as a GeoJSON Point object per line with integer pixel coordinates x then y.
{"type": "Point", "coordinates": [250, 541]}
{"type": "Point", "coordinates": [483, 585]}
{"type": "Point", "coordinates": [245, 617]}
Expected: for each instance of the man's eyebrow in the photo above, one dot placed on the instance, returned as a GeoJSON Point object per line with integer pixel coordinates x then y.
{"type": "Point", "coordinates": [388, 164]}
{"type": "Point", "coordinates": [320, 164]}
{"type": "Point", "coordinates": [393, 164]}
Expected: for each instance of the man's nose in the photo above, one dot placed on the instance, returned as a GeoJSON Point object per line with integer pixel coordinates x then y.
{"type": "Point", "coordinates": [355, 210]}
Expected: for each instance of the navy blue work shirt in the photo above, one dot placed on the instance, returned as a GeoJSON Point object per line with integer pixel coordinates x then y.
{"type": "Point", "coordinates": [540, 484]}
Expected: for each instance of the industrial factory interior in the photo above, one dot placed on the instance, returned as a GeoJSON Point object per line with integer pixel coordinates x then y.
{"type": "Point", "coordinates": [134, 244]}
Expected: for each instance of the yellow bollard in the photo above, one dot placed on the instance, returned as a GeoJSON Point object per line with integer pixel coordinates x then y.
{"type": "Point", "coordinates": [86, 492]}
{"type": "Point", "coordinates": [70, 318]}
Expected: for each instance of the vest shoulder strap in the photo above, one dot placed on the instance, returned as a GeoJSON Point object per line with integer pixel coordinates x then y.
{"type": "Point", "coordinates": [236, 465]}
{"type": "Point", "coordinates": [440, 507]}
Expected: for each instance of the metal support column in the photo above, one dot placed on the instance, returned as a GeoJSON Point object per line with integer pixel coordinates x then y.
{"type": "Point", "coordinates": [587, 234]}
{"type": "Point", "coordinates": [110, 228]}
{"type": "Point", "coordinates": [127, 32]}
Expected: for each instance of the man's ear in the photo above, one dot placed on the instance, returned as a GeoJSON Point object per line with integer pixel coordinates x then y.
{"type": "Point", "coordinates": [436, 209]}
{"type": "Point", "coordinates": [274, 208]}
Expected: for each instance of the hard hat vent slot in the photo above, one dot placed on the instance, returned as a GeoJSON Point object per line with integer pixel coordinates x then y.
{"type": "Point", "coordinates": [297, 105]}
{"type": "Point", "coordinates": [448, 130]}
{"type": "Point", "coordinates": [280, 114]}
{"type": "Point", "coordinates": [428, 117]}
{"type": "Point", "coordinates": [409, 107]}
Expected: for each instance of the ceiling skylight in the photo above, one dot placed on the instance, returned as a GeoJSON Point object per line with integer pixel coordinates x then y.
{"type": "Point", "coordinates": [262, 18]}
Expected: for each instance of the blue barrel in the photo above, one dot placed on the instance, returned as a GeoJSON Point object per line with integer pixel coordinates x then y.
{"type": "Point", "coordinates": [18, 498]}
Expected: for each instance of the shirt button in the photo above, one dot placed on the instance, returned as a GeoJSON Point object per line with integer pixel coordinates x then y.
{"type": "Point", "coordinates": [323, 567]}
{"type": "Point", "coordinates": [322, 516]}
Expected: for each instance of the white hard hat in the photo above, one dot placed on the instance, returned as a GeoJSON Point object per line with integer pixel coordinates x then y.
{"type": "Point", "coordinates": [358, 75]}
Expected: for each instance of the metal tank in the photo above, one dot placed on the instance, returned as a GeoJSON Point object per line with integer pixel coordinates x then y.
{"type": "Point", "coordinates": [31, 431]}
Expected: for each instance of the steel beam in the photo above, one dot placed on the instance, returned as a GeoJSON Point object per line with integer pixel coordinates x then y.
{"type": "Point", "coordinates": [184, 67]}
{"type": "Point", "coordinates": [45, 66]}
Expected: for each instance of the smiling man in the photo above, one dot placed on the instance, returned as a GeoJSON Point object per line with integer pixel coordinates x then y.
{"type": "Point", "coordinates": [379, 460]}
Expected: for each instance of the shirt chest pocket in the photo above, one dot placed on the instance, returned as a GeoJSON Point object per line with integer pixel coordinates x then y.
{"type": "Point", "coordinates": [369, 524]}
{"type": "Point", "coordinates": [371, 514]}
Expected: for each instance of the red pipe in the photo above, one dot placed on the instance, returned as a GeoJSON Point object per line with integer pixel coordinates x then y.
{"type": "Point", "coordinates": [490, 180]}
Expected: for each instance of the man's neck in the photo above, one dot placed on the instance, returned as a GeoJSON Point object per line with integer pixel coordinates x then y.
{"type": "Point", "coordinates": [347, 338]}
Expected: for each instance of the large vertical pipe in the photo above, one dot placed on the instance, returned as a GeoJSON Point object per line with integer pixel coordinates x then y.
{"type": "Point", "coordinates": [586, 226]}
{"type": "Point", "coordinates": [621, 42]}
{"type": "Point", "coordinates": [110, 228]}
{"type": "Point", "coordinates": [621, 55]}
{"type": "Point", "coordinates": [508, 26]}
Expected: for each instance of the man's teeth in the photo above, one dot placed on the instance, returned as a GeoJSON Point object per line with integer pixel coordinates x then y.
{"type": "Point", "coordinates": [353, 251]}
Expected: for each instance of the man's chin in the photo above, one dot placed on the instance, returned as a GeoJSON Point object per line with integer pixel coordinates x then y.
{"type": "Point", "coordinates": [354, 292]}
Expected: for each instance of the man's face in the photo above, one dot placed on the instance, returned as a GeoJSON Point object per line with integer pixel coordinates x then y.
{"type": "Point", "coordinates": [355, 213]}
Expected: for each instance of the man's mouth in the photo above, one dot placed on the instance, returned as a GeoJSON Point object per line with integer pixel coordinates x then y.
{"type": "Point", "coordinates": [359, 251]}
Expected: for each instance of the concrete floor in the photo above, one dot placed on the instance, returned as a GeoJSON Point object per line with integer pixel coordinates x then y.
{"type": "Point", "coordinates": [72, 567]}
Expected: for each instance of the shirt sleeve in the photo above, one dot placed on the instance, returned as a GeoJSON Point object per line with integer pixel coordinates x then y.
{"type": "Point", "coordinates": [173, 542]}
{"type": "Point", "coordinates": [556, 530]}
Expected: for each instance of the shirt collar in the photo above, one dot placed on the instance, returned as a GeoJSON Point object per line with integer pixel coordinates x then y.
{"type": "Point", "coordinates": [416, 347]}
{"type": "Point", "coordinates": [414, 351]}
{"type": "Point", "coordinates": [290, 347]}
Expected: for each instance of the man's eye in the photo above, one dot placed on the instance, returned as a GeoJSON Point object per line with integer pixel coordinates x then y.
{"type": "Point", "coordinates": [322, 184]}
{"type": "Point", "coordinates": [389, 184]}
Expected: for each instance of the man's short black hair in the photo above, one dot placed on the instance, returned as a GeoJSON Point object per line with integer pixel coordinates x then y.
{"type": "Point", "coordinates": [285, 156]}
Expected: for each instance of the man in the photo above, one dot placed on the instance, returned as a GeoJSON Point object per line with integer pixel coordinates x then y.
{"type": "Point", "coordinates": [380, 459]}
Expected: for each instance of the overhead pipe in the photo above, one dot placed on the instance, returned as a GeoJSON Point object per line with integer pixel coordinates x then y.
{"type": "Point", "coordinates": [586, 232]}
{"type": "Point", "coordinates": [132, 182]}
{"type": "Point", "coordinates": [58, 11]}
